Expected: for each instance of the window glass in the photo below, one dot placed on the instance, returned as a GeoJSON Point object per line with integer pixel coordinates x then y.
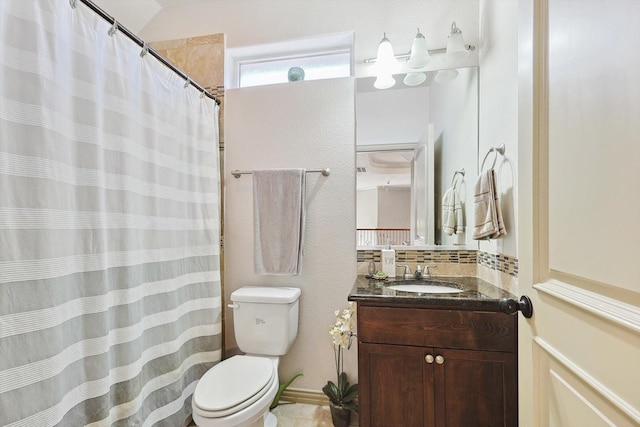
{"type": "Point", "coordinates": [316, 66]}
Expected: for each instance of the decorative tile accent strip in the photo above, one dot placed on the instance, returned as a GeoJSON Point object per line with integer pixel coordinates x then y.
{"type": "Point", "coordinates": [423, 256]}
{"type": "Point", "coordinates": [502, 263]}
{"type": "Point", "coordinates": [366, 255]}
{"type": "Point", "coordinates": [499, 262]}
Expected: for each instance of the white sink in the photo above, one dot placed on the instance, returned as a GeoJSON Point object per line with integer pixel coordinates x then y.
{"type": "Point", "coordinates": [427, 288]}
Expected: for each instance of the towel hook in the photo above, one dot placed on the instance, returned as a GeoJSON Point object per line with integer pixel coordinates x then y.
{"type": "Point", "coordinates": [499, 149]}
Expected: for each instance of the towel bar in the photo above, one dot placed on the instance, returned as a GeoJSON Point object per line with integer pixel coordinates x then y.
{"type": "Point", "coordinates": [499, 149]}
{"type": "Point", "coordinates": [325, 172]}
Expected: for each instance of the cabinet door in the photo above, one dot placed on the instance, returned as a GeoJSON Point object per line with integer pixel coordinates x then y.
{"type": "Point", "coordinates": [396, 386]}
{"type": "Point", "coordinates": [475, 388]}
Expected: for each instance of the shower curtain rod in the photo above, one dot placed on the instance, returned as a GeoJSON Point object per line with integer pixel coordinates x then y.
{"type": "Point", "coordinates": [110, 19]}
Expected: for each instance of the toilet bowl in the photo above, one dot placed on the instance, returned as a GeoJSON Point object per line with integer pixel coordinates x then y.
{"type": "Point", "coordinates": [238, 391]}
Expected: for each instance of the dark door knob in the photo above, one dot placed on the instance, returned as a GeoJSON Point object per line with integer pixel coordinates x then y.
{"type": "Point", "coordinates": [511, 306]}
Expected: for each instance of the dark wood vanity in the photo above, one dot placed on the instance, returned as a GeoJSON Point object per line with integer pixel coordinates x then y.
{"type": "Point", "coordinates": [435, 359]}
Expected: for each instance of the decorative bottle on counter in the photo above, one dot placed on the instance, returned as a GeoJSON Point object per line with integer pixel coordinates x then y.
{"type": "Point", "coordinates": [388, 260]}
{"type": "Point", "coordinates": [372, 267]}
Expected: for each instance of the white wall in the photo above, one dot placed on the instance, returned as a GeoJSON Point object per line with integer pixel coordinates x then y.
{"type": "Point", "coordinates": [367, 212]}
{"type": "Point", "coordinates": [394, 207]}
{"type": "Point", "coordinates": [393, 116]}
{"type": "Point", "coordinates": [384, 207]}
{"type": "Point", "coordinates": [499, 109]}
{"type": "Point", "coordinates": [309, 125]}
{"type": "Point", "coordinates": [454, 113]}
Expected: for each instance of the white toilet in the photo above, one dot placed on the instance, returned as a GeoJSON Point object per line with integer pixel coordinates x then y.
{"type": "Point", "coordinates": [238, 391]}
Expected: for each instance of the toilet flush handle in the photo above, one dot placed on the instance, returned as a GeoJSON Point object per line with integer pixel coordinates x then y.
{"type": "Point", "coordinates": [234, 306]}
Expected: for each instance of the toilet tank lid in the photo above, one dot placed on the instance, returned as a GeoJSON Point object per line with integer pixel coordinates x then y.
{"type": "Point", "coordinates": [265, 295]}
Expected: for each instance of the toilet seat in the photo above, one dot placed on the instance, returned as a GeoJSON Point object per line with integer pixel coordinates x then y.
{"type": "Point", "coordinates": [232, 385]}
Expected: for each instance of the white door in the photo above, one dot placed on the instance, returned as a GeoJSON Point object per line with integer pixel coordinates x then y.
{"type": "Point", "coordinates": [579, 212]}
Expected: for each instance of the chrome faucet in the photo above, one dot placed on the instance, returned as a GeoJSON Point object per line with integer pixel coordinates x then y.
{"type": "Point", "coordinates": [407, 271]}
{"type": "Point", "coordinates": [427, 274]}
{"type": "Point", "coordinates": [418, 273]}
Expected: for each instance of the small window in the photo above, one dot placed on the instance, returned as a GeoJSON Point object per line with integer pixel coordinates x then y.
{"type": "Point", "coordinates": [322, 57]}
{"type": "Point", "coordinates": [315, 66]}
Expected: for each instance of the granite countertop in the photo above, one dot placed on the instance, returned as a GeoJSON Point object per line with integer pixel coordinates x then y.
{"type": "Point", "coordinates": [477, 294]}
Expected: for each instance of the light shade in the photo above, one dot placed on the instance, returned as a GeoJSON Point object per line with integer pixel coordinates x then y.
{"type": "Point", "coordinates": [414, 78]}
{"type": "Point", "coordinates": [444, 76]}
{"type": "Point", "coordinates": [456, 48]}
{"type": "Point", "coordinates": [419, 53]}
{"type": "Point", "coordinates": [386, 62]}
{"type": "Point", "coordinates": [384, 81]}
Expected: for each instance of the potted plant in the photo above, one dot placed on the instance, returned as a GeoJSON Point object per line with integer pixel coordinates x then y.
{"type": "Point", "coordinates": [342, 396]}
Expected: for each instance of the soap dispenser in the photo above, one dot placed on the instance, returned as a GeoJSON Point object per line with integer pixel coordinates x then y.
{"type": "Point", "coordinates": [388, 260]}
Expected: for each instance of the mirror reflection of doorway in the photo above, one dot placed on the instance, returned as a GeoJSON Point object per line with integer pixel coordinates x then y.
{"type": "Point", "coordinates": [384, 197]}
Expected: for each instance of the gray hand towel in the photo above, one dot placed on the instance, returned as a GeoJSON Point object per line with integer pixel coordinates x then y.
{"type": "Point", "coordinates": [278, 221]}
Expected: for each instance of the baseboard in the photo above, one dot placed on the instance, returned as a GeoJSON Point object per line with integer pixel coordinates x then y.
{"type": "Point", "coordinates": [300, 395]}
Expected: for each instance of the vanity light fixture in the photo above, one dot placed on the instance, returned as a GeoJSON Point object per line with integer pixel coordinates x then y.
{"type": "Point", "coordinates": [386, 63]}
{"type": "Point", "coordinates": [419, 56]}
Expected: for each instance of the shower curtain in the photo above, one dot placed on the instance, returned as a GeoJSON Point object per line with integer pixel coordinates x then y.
{"type": "Point", "coordinates": [109, 226]}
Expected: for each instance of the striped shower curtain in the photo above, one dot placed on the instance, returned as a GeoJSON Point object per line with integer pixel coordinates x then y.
{"type": "Point", "coordinates": [109, 226]}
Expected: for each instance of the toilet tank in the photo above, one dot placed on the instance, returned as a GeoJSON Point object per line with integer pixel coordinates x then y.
{"type": "Point", "coordinates": [265, 320]}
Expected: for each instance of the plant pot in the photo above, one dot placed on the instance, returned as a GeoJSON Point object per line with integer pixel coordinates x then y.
{"type": "Point", "coordinates": [340, 416]}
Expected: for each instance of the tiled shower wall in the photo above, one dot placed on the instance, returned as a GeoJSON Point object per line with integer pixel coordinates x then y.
{"type": "Point", "coordinates": [202, 59]}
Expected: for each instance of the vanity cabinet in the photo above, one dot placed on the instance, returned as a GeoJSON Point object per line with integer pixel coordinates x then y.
{"type": "Point", "coordinates": [432, 367]}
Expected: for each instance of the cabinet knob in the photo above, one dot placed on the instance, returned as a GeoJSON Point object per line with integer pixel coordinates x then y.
{"type": "Point", "coordinates": [428, 358]}
{"type": "Point", "coordinates": [439, 360]}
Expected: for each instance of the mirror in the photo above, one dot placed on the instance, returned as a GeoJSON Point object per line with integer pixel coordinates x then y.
{"type": "Point", "coordinates": [410, 143]}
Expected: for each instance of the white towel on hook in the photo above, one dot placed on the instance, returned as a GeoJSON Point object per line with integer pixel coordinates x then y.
{"type": "Point", "coordinates": [457, 209]}
{"type": "Point", "coordinates": [278, 221]}
{"type": "Point", "coordinates": [452, 219]}
{"type": "Point", "coordinates": [487, 212]}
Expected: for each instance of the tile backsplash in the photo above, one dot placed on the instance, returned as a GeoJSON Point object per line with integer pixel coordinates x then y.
{"type": "Point", "coordinates": [499, 262]}
{"type": "Point", "coordinates": [449, 262]}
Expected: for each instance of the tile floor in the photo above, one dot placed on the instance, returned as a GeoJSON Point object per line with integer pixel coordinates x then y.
{"type": "Point", "coordinates": [305, 415]}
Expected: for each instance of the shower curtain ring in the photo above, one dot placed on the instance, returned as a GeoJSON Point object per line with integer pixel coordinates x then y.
{"type": "Point", "coordinates": [73, 3]}
{"type": "Point", "coordinates": [145, 50]}
{"type": "Point", "coordinates": [113, 28]}
{"type": "Point", "coordinates": [187, 83]}
{"type": "Point", "coordinates": [202, 95]}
